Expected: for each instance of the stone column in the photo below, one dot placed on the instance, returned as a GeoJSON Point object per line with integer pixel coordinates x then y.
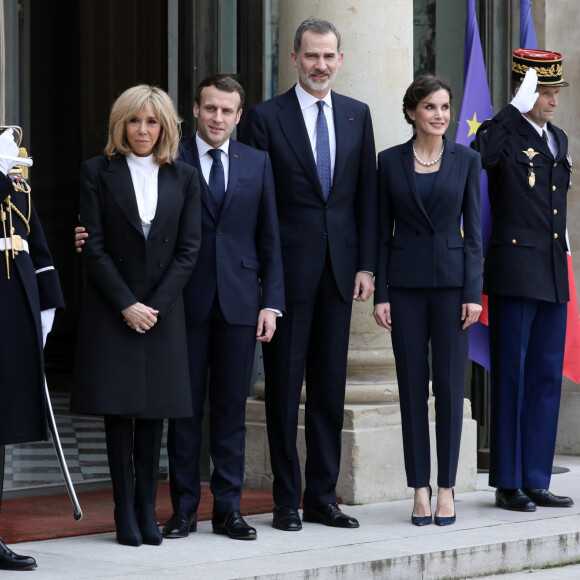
{"type": "Point", "coordinates": [377, 41]}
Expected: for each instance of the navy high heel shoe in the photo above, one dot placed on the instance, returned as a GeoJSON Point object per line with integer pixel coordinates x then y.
{"type": "Point", "coordinates": [447, 521]}
{"type": "Point", "coordinates": [423, 520]}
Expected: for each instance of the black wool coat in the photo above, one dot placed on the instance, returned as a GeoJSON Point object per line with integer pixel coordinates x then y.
{"type": "Point", "coordinates": [117, 370]}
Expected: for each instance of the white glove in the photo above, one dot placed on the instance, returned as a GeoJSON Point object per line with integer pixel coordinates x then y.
{"type": "Point", "coordinates": [7, 147]}
{"type": "Point", "coordinates": [526, 97]}
{"type": "Point", "coordinates": [46, 319]}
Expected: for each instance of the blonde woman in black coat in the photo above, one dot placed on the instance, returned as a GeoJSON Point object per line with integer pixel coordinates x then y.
{"type": "Point", "coordinates": [142, 209]}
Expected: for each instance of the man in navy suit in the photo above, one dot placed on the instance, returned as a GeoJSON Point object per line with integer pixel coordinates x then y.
{"type": "Point", "coordinates": [323, 156]}
{"type": "Point", "coordinates": [526, 278]}
{"type": "Point", "coordinates": [233, 298]}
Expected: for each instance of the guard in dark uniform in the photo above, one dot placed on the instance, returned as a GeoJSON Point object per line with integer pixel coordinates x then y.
{"type": "Point", "coordinates": [29, 295]}
{"type": "Point", "coordinates": [526, 278]}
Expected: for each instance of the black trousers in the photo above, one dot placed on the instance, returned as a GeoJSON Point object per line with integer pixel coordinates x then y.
{"type": "Point", "coordinates": [133, 449]}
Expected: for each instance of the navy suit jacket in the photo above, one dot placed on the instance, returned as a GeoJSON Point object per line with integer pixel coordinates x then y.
{"type": "Point", "coordinates": [346, 223]}
{"type": "Point", "coordinates": [240, 256]}
{"type": "Point", "coordinates": [423, 247]}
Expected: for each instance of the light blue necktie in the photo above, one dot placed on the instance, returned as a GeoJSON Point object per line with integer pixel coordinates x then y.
{"type": "Point", "coordinates": [323, 151]}
{"type": "Point", "coordinates": [217, 182]}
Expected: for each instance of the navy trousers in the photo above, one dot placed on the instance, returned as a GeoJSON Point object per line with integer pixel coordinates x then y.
{"type": "Point", "coordinates": [313, 333]}
{"type": "Point", "coordinates": [226, 351]}
{"type": "Point", "coordinates": [421, 316]}
{"type": "Point", "coordinates": [526, 339]}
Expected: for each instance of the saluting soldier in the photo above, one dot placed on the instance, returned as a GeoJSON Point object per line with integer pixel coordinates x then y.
{"type": "Point", "coordinates": [30, 293]}
{"type": "Point", "coordinates": [526, 278]}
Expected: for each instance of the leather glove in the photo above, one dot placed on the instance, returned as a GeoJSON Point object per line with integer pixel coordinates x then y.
{"type": "Point", "coordinates": [526, 97]}
{"type": "Point", "coordinates": [7, 147]}
{"type": "Point", "coordinates": [46, 318]}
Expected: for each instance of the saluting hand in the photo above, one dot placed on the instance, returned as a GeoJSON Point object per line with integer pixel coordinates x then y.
{"type": "Point", "coordinates": [526, 96]}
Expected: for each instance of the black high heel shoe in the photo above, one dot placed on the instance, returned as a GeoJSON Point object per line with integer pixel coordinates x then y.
{"type": "Point", "coordinates": [447, 521]}
{"type": "Point", "coordinates": [423, 520]}
{"type": "Point", "coordinates": [128, 532]}
{"type": "Point", "coordinates": [148, 526]}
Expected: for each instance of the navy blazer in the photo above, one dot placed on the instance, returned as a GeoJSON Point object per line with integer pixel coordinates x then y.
{"type": "Point", "coordinates": [346, 223]}
{"type": "Point", "coordinates": [526, 252]}
{"type": "Point", "coordinates": [423, 247]}
{"type": "Point", "coordinates": [240, 250]}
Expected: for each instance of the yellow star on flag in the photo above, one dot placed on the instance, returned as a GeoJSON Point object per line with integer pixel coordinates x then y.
{"type": "Point", "coordinates": [473, 125]}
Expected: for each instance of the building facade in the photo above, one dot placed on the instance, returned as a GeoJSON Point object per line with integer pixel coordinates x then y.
{"type": "Point", "coordinates": [63, 63]}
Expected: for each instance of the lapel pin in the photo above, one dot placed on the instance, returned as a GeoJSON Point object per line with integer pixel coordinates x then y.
{"type": "Point", "coordinates": [351, 119]}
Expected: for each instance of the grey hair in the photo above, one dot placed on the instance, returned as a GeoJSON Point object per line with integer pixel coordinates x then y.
{"type": "Point", "coordinates": [318, 26]}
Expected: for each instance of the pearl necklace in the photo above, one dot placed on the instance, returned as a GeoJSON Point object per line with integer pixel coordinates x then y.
{"type": "Point", "coordinates": [428, 163]}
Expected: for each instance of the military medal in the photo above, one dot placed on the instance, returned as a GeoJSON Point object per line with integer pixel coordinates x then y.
{"type": "Point", "coordinates": [531, 178]}
{"type": "Point", "coordinates": [530, 153]}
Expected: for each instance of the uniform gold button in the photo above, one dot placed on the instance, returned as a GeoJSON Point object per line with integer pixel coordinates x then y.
{"type": "Point", "coordinates": [513, 241]}
{"type": "Point", "coordinates": [553, 188]}
{"type": "Point", "coordinates": [531, 164]}
{"type": "Point", "coordinates": [555, 165]}
{"type": "Point", "coordinates": [555, 212]}
{"type": "Point", "coordinates": [555, 236]}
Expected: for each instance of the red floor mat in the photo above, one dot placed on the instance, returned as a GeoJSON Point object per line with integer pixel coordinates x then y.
{"type": "Point", "coordinates": [47, 517]}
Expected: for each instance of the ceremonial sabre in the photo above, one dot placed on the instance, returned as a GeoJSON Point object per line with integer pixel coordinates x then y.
{"type": "Point", "coordinates": [78, 514]}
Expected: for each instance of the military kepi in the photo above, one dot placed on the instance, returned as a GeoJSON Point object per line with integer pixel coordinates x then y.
{"type": "Point", "coordinates": [548, 65]}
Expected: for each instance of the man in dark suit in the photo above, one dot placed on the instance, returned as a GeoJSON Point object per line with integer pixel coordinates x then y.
{"type": "Point", "coordinates": [526, 278]}
{"type": "Point", "coordinates": [233, 298]}
{"type": "Point", "coordinates": [323, 155]}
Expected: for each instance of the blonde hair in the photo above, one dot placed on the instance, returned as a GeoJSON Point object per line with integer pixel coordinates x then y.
{"type": "Point", "coordinates": [127, 105]}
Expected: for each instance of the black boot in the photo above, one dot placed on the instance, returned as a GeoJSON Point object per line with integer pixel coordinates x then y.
{"type": "Point", "coordinates": [147, 520]}
{"type": "Point", "coordinates": [11, 561]}
{"type": "Point", "coordinates": [119, 435]}
{"type": "Point", "coordinates": [128, 532]}
{"type": "Point", "coordinates": [146, 451]}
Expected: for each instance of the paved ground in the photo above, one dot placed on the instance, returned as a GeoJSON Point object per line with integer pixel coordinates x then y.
{"type": "Point", "coordinates": [484, 541]}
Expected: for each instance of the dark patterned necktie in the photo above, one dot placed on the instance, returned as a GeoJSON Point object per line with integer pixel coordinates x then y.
{"type": "Point", "coordinates": [323, 151]}
{"type": "Point", "coordinates": [217, 182]}
{"type": "Point", "coordinates": [545, 136]}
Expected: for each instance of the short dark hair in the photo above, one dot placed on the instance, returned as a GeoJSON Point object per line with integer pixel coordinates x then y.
{"type": "Point", "coordinates": [318, 26]}
{"type": "Point", "coordinates": [420, 88]}
{"type": "Point", "coordinates": [221, 83]}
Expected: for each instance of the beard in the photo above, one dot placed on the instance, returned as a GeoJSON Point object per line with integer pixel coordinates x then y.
{"type": "Point", "coordinates": [314, 84]}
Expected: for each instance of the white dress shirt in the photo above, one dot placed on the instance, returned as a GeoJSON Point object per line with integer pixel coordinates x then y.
{"type": "Point", "coordinates": [310, 113]}
{"type": "Point", "coordinates": [144, 173]}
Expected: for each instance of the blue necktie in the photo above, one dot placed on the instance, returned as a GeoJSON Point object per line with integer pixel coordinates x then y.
{"type": "Point", "coordinates": [322, 151]}
{"type": "Point", "coordinates": [217, 182]}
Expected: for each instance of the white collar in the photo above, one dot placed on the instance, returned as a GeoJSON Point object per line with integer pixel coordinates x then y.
{"type": "Point", "coordinates": [305, 99]}
{"type": "Point", "coordinates": [203, 147]}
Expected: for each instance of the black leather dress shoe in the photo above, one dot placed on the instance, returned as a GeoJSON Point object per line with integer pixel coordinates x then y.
{"type": "Point", "coordinates": [286, 519]}
{"type": "Point", "coordinates": [11, 561]}
{"type": "Point", "coordinates": [232, 524]}
{"type": "Point", "coordinates": [546, 498]}
{"type": "Point", "coordinates": [329, 515]}
{"type": "Point", "coordinates": [180, 524]}
{"type": "Point", "coordinates": [514, 499]}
